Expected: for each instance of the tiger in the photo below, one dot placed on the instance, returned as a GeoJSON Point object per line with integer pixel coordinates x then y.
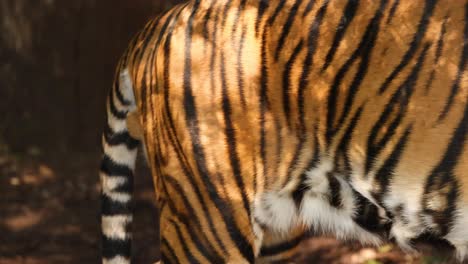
{"type": "Point", "coordinates": [264, 119]}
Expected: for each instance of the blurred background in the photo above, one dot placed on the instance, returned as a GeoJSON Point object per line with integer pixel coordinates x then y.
{"type": "Point", "coordinates": [57, 62]}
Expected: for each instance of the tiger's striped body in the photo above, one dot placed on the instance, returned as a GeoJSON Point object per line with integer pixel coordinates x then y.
{"type": "Point", "coordinates": [261, 117]}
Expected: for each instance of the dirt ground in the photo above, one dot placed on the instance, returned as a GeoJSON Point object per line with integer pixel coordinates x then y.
{"type": "Point", "coordinates": [49, 213]}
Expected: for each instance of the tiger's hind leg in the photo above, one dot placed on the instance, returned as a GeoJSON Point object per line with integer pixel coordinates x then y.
{"type": "Point", "coordinates": [201, 221]}
{"type": "Point", "coordinates": [188, 237]}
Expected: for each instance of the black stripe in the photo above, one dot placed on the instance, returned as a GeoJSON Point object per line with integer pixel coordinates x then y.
{"type": "Point", "coordinates": [385, 173]}
{"type": "Point", "coordinates": [183, 243]}
{"type": "Point", "coordinates": [399, 104]}
{"type": "Point", "coordinates": [440, 41]}
{"type": "Point", "coordinates": [240, 10]}
{"type": "Point", "coordinates": [300, 190]}
{"type": "Point", "coordinates": [144, 108]}
{"type": "Point", "coordinates": [240, 68]}
{"type": "Point", "coordinates": [115, 247]}
{"type": "Point", "coordinates": [348, 16]}
{"type": "Point", "coordinates": [225, 12]}
{"type": "Point", "coordinates": [113, 109]}
{"type": "Point", "coordinates": [297, 155]}
{"type": "Point", "coordinates": [413, 46]}
{"type": "Point", "coordinates": [287, 27]}
{"type": "Point", "coordinates": [308, 8]}
{"type": "Point", "coordinates": [191, 117]}
{"type": "Point", "coordinates": [363, 50]}
{"type": "Point", "coordinates": [367, 215]}
{"type": "Point", "coordinates": [126, 187]}
{"type": "Point", "coordinates": [275, 14]}
{"type": "Point", "coordinates": [168, 254]}
{"type": "Point", "coordinates": [334, 197]}
{"type": "Point", "coordinates": [429, 82]}
{"type": "Point", "coordinates": [263, 101]}
{"type": "Point", "coordinates": [255, 173]}
{"type": "Point", "coordinates": [214, 49]}
{"type": "Point", "coordinates": [110, 168]}
{"type": "Point", "coordinates": [121, 138]}
{"type": "Point", "coordinates": [342, 150]}
{"type": "Point", "coordinates": [278, 143]}
{"type": "Point", "coordinates": [111, 207]}
{"type": "Point", "coordinates": [173, 17]}
{"type": "Point", "coordinates": [391, 13]}
{"type": "Point", "coordinates": [262, 7]}
{"type": "Point", "coordinates": [231, 137]}
{"type": "Point", "coordinates": [461, 69]}
{"type": "Point", "coordinates": [438, 54]}
{"type": "Point", "coordinates": [281, 247]}
{"type": "Point", "coordinates": [207, 19]}
{"type": "Point", "coordinates": [287, 80]}
{"type": "Point", "coordinates": [302, 187]}
{"type": "Point", "coordinates": [120, 96]}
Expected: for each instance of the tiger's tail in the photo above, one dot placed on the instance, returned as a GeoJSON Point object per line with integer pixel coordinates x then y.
{"type": "Point", "coordinates": [116, 172]}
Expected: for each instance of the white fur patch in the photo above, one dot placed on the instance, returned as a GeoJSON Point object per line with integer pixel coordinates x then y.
{"type": "Point", "coordinates": [408, 224]}
{"type": "Point", "coordinates": [116, 260]}
{"type": "Point", "coordinates": [458, 236]}
{"type": "Point", "coordinates": [276, 211]}
{"type": "Point", "coordinates": [114, 226]}
{"type": "Point", "coordinates": [126, 87]}
{"type": "Point", "coordinates": [118, 196]}
{"type": "Point", "coordinates": [117, 125]}
{"type": "Point", "coordinates": [403, 236]}
{"type": "Point", "coordinates": [347, 197]}
{"type": "Point", "coordinates": [111, 183]}
{"type": "Point", "coordinates": [316, 176]}
{"type": "Point", "coordinates": [462, 252]}
{"type": "Point", "coordinates": [120, 154]}
{"type": "Point", "coordinates": [317, 213]}
{"type": "Point", "coordinates": [258, 233]}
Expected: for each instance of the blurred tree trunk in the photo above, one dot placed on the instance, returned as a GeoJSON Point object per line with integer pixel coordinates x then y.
{"type": "Point", "coordinates": [57, 62]}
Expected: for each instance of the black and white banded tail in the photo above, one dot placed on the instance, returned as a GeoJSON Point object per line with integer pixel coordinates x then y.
{"type": "Point", "coordinates": [116, 173]}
